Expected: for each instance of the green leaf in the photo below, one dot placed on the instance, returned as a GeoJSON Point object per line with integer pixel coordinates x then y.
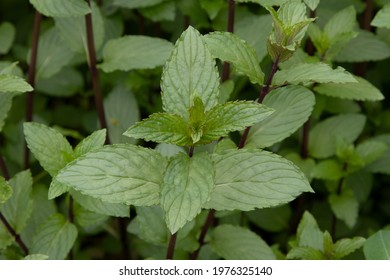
{"type": "Point", "coordinates": [275, 219]}
{"type": "Point", "coordinates": [346, 246]}
{"type": "Point", "coordinates": [61, 8]}
{"type": "Point", "coordinates": [135, 52]}
{"type": "Point", "coordinates": [189, 71]}
{"type": "Point", "coordinates": [365, 47]}
{"type": "Point", "coordinates": [101, 207]}
{"type": "Point", "coordinates": [247, 179]}
{"type": "Point", "coordinates": [377, 246]}
{"type": "Point", "coordinates": [323, 136]}
{"type": "Point", "coordinates": [345, 206]}
{"type": "Point", "coordinates": [382, 17]}
{"type": "Point", "coordinates": [264, 2]}
{"type": "Point", "coordinates": [312, 4]}
{"type": "Point", "coordinates": [73, 31]}
{"type": "Point", "coordinates": [238, 243]}
{"type": "Point", "coordinates": [7, 36]}
{"type": "Point", "coordinates": [309, 234]}
{"type": "Point", "coordinates": [121, 111]}
{"type": "Point", "coordinates": [54, 238]}
{"type": "Point", "coordinates": [56, 189]}
{"type": "Point", "coordinates": [169, 150]}
{"type": "Point", "coordinates": [312, 73]}
{"type": "Point", "coordinates": [5, 190]}
{"type": "Point", "coordinates": [328, 170]}
{"type": "Point", "coordinates": [363, 90]}
{"type": "Point", "coordinates": [90, 221]}
{"type": "Point", "coordinates": [229, 47]}
{"type": "Point", "coordinates": [188, 183]}
{"type": "Point", "coordinates": [49, 147]}
{"type": "Point", "coordinates": [305, 253]}
{"type": "Point", "coordinates": [6, 104]}
{"type": "Point", "coordinates": [36, 257]}
{"type": "Point", "coordinates": [10, 83]}
{"type": "Point", "coordinates": [92, 142]}
{"type": "Point", "coordinates": [232, 116]}
{"type": "Point", "coordinates": [134, 4]}
{"type": "Point", "coordinates": [293, 106]}
{"type": "Point", "coordinates": [212, 7]}
{"type": "Point", "coordinates": [162, 128]}
{"type": "Point", "coordinates": [160, 12]}
{"type": "Point", "coordinates": [381, 165]}
{"type": "Point", "coordinates": [306, 165]}
{"type": "Point", "coordinates": [343, 21]}
{"type": "Point", "coordinates": [120, 173]}
{"type": "Point", "coordinates": [18, 208]}
{"type": "Point", "coordinates": [371, 150]}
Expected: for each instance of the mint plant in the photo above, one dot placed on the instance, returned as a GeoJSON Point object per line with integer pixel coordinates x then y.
{"type": "Point", "coordinates": [247, 129]}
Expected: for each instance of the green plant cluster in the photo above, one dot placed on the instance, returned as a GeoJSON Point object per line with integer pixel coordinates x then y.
{"type": "Point", "coordinates": [185, 129]}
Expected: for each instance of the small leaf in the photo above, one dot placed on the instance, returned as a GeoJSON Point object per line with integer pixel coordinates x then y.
{"type": "Point", "coordinates": [362, 90]}
{"type": "Point", "coordinates": [323, 136]}
{"type": "Point", "coordinates": [229, 47]}
{"type": "Point", "coordinates": [381, 165]}
{"type": "Point", "coordinates": [6, 104]}
{"type": "Point", "coordinates": [54, 238]}
{"type": "Point", "coordinates": [345, 206]}
{"type": "Point", "coordinates": [248, 179]}
{"type": "Point", "coordinates": [381, 19]}
{"type": "Point", "coordinates": [305, 253]}
{"type": "Point", "coordinates": [36, 257]}
{"type": "Point", "coordinates": [328, 170]}
{"type": "Point", "coordinates": [312, 4]}
{"type": "Point", "coordinates": [56, 189]}
{"type": "Point", "coordinates": [61, 8]}
{"type": "Point", "coordinates": [238, 243]}
{"type": "Point", "coordinates": [160, 12]}
{"type": "Point", "coordinates": [371, 150]}
{"type": "Point", "coordinates": [342, 22]}
{"type": "Point", "coordinates": [232, 116]}
{"type": "Point", "coordinates": [293, 106]}
{"type": "Point", "coordinates": [264, 2]}
{"type": "Point", "coordinates": [346, 246]}
{"type": "Point", "coordinates": [7, 36]}
{"type": "Point", "coordinates": [135, 52]}
{"type": "Point", "coordinates": [120, 173]}
{"type": "Point", "coordinates": [275, 219]}
{"type": "Point", "coordinates": [135, 4]}
{"type": "Point", "coordinates": [162, 128]}
{"type": "Point", "coordinates": [5, 191]}
{"type": "Point", "coordinates": [188, 183]}
{"type": "Point", "coordinates": [377, 246]}
{"type": "Point", "coordinates": [92, 142]}
{"type": "Point", "coordinates": [313, 73]}
{"type": "Point", "coordinates": [49, 147]}
{"type": "Point", "coordinates": [189, 71]}
{"type": "Point", "coordinates": [10, 83]}
{"type": "Point", "coordinates": [309, 234]}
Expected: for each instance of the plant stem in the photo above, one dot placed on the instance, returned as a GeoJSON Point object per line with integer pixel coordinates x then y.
{"type": "Point", "coordinates": [171, 246]}
{"type": "Point", "coordinates": [17, 237]}
{"type": "Point", "coordinates": [338, 192]}
{"type": "Point", "coordinates": [4, 168]}
{"type": "Point", "coordinates": [95, 73]}
{"type": "Point", "coordinates": [229, 28]}
{"type": "Point", "coordinates": [31, 80]}
{"type": "Point", "coordinates": [203, 233]}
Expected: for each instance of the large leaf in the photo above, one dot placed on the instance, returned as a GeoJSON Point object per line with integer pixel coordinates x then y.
{"type": "Point", "coordinates": [365, 47]}
{"type": "Point", "coordinates": [5, 190]}
{"type": "Point", "coordinates": [362, 90]}
{"type": "Point", "coordinates": [121, 110]}
{"type": "Point", "coordinates": [49, 147]}
{"type": "Point", "coordinates": [135, 52]}
{"type": "Point", "coordinates": [162, 128]}
{"type": "Point", "coordinates": [382, 18]}
{"type": "Point", "coordinates": [232, 116]}
{"type": "Point", "coordinates": [293, 106]}
{"type": "Point", "coordinates": [54, 238]}
{"type": "Point", "coordinates": [342, 22]}
{"type": "Point", "coordinates": [312, 73]}
{"type": "Point", "coordinates": [7, 36]}
{"type": "Point", "coordinates": [120, 173]}
{"type": "Point", "coordinates": [188, 183]}
{"type": "Point", "coordinates": [11, 83]}
{"type": "Point", "coordinates": [238, 243]}
{"type": "Point", "coordinates": [189, 71]}
{"type": "Point", "coordinates": [323, 136]}
{"type": "Point", "coordinates": [18, 208]}
{"type": "Point", "coordinates": [229, 47]}
{"type": "Point", "coordinates": [377, 246]}
{"type": "Point", "coordinates": [247, 179]}
{"type": "Point", "coordinates": [61, 8]}
{"type": "Point", "coordinates": [134, 4]}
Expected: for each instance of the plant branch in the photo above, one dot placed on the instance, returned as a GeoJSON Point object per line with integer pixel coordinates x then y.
{"type": "Point", "coordinates": [230, 28]}
{"type": "Point", "coordinates": [203, 233]}
{"type": "Point", "coordinates": [17, 237]}
{"type": "Point", "coordinates": [171, 246]}
{"type": "Point", "coordinates": [31, 80]}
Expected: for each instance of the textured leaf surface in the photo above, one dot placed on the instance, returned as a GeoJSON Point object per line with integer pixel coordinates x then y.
{"type": "Point", "coordinates": [312, 73]}
{"type": "Point", "coordinates": [309, 234]}
{"type": "Point", "coordinates": [382, 18]}
{"type": "Point", "coordinates": [5, 190]}
{"type": "Point", "coordinates": [346, 246]}
{"type": "Point", "coordinates": [189, 71]}
{"type": "Point", "coordinates": [49, 147]}
{"type": "Point", "coordinates": [136, 3]}
{"type": "Point", "coordinates": [188, 183]}
{"type": "Point", "coordinates": [18, 208]}
{"type": "Point", "coordinates": [365, 47]}
{"type": "Point", "coordinates": [10, 83]}
{"type": "Point", "coordinates": [371, 150]}
{"type": "Point", "coordinates": [323, 136]}
{"type": "Point", "coordinates": [249, 179]}
{"type": "Point", "coordinates": [162, 128]}
{"type": "Point", "coordinates": [135, 52]}
{"type": "Point", "coordinates": [293, 106]}
{"type": "Point", "coordinates": [238, 243]}
{"type": "Point", "coordinates": [92, 142]}
{"type": "Point", "coordinates": [120, 173]}
{"type": "Point", "coordinates": [232, 116]}
{"type": "Point", "coordinates": [362, 90]}
{"type": "Point", "coordinates": [377, 246]}
{"type": "Point", "coordinates": [7, 36]}
{"type": "Point", "coordinates": [342, 22]}
{"type": "Point", "coordinates": [54, 238]}
{"type": "Point", "coordinates": [274, 219]}
{"type": "Point", "coordinates": [61, 8]}
{"type": "Point", "coordinates": [229, 47]}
